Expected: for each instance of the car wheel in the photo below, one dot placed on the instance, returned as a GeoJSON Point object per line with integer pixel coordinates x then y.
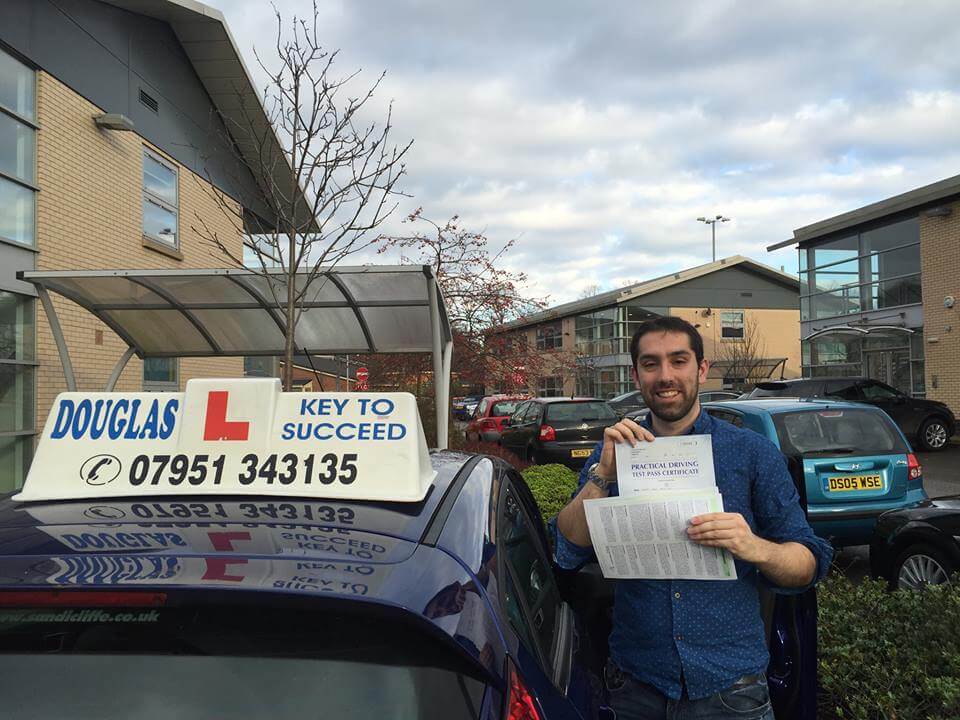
{"type": "Point", "coordinates": [920, 565]}
{"type": "Point", "coordinates": [934, 434]}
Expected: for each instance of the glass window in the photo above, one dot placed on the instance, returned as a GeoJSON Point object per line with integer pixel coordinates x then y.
{"type": "Point", "coordinates": [894, 263]}
{"type": "Point", "coordinates": [17, 86]}
{"type": "Point", "coordinates": [835, 276]}
{"type": "Point", "coordinates": [549, 337]}
{"type": "Point", "coordinates": [875, 392]}
{"type": "Point", "coordinates": [838, 432]}
{"type": "Point", "coordinates": [577, 412]}
{"type": "Point", "coordinates": [847, 248]}
{"type": "Point", "coordinates": [17, 388]}
{"type": "Point", "coordinates": [17, 212]}
{"type": "Point", "coordinates": [258, 660]}
{"type": "Point", "coordinates": [891, 236]}
{"type": "Point", "coordinates": [803, 259]}
{"type": "Point", "coordinates": [532, 413]}
{"type": "Point", "coordinates": [530, 572]}
{"type": "Point", "coordinates": [17, 383]}
{"type": "Point", "coordinates": [16, 452]}
{"type": "Point", "coordinates": [731, 325]}
{"type": "Point", "coordinates": [843, 390]}
{"type": "Point", "coordinates": [838, 302]}
{"type": "Point", "coordinates": [160, 374]}
{"type": "Point", "coordinates": [17, 339]}
{"type": "Point", "coordinates": [518, 414]}
{"type": "Point", "coordinates": [892, 293]}
{"type": "Point", "coordinates": [551, 386]}
{"type": "Point", "coordinates": [160, 200]}
{"type": "Point", "coordinates": [17, 143]}
{"type": "Point", "coordinates": [502, 408]}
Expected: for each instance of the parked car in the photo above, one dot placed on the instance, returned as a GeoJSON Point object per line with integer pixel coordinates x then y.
{"type": "Point", "coordinates": [929, 423]}
{"type": "Point", "coordinates": [918, 545]}
{"type": "Point", "coordinates": [640, 413]}
{"type": "Point", "coordinates": [487, 422]}
{"type": "Point", "coordinates": [464, 407]}
{"type": "Point", "coordinates": [851, 461]}
{"type": "Point", "coordinates": [557, 430]}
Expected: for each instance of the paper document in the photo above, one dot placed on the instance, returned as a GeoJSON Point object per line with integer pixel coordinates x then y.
{"type": "Point", "coordinates": [684, 462]}
{"type": "Point", "coordinates": [645, 536]}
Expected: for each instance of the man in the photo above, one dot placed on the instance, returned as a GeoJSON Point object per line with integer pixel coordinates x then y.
{"type": "Point", "coordinates": [696, 648]}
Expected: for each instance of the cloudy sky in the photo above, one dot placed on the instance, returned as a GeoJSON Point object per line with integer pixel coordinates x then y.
{"type": "Point", "coordinates": [597, 132]}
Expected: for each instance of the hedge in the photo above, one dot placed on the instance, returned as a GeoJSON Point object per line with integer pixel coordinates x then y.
{"type": "Point", "coordinates": [888, 654]}
{"type": "Point", "coordinates": [552, 486]}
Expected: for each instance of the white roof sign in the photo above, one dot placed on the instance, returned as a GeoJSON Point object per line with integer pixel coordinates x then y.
{"type": "Point", "coordinates": [231, 437]}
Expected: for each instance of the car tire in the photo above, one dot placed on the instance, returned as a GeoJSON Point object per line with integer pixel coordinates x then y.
{"type": "Point", "coordinates": [934, 434]}
{"type": "Point", "coordinates": [921, 565]}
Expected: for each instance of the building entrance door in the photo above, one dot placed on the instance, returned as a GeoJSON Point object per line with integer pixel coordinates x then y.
{"type": "Point", "coordinates": [889, 366]}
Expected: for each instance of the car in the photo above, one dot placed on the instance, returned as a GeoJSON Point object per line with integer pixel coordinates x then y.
{"type": "Point", "coordinates": [556, 429]}
{"type": "Point", "coordinates": [851, 462]}
{"type": "Point", "coordinates": [247, 580]}
{"type": "Point", "coordinates": [464, 407]}
{"type": "Point", "coordinates": [486, 424]}
{"type": "Point", "coordinates": [189, 553]}
{"type": "Point", "coordinates": [639, 413]}
{"type": "Point", "coordinates": [917, 545]}
{"type": "Point", "coordinates": [929, 423]}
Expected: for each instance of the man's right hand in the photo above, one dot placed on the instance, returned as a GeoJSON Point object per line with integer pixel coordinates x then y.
{"type": "Point", "coordinates": [624, 431]}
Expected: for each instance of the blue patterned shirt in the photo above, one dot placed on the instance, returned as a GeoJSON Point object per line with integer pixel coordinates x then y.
{"type": "Point", "coordinates": [707, 633]}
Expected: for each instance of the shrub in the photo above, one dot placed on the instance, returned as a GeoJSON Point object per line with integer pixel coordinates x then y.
{"type": "Point", "coordinates": [552, 486]}
{"type": "Point", "coordinates": [888, 654]}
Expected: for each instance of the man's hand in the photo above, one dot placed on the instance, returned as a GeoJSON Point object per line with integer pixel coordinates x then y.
{"type": "Point", "coordinates": [788, 564]}
{"type": "Point", "coordinates": [624, 431]}
{"type": "Point", "coordinates": [726, 530]}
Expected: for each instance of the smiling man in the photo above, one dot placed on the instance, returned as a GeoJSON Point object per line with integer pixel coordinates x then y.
{"type": "Point", "coordinates": [696, 648]}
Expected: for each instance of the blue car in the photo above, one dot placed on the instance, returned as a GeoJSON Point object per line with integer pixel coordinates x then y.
{"type": "Point", "coordinates": [280, 607]}
{"type": "Point", "coordinates": [850, 460]}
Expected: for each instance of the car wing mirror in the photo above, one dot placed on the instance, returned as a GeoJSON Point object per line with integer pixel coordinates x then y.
{"type": "Point", "coordinates": [506, 422]}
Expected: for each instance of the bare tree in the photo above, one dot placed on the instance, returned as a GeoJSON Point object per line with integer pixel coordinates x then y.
{"type": "Point", "coordinates": [323, 188]}
{"type": "Point", "coordinates": [743, 361]}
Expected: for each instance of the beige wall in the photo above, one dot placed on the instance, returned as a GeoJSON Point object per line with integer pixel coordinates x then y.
{"type": "Point", "coordinates": [89, 217]}
{"type": "Point", "coordinates": [940, 278]}
{"type": "Point", "coordinates": [779, 330]}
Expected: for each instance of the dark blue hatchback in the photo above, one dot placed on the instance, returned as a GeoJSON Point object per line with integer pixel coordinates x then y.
{"type": "Point", "coordinates": [266, 607]}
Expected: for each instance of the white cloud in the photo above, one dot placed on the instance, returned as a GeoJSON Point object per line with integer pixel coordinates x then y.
{"type": "Point", "coordinates": [598, 133]}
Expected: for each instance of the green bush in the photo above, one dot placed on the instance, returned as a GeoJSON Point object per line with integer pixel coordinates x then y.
{"type": "Point", "coordinates": [888, 654]}
{"type": "Point", "coordinates": [551, 486]}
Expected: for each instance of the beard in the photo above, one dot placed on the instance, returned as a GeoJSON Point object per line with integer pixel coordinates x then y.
{"type": "Point", "coordinates": [675, 408]}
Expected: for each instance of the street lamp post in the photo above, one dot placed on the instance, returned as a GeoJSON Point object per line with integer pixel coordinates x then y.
{"type": "Point", "coordinates": [712, 222]}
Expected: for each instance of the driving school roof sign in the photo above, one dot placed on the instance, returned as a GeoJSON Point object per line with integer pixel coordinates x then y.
{"type": "Point", "coordinates": [231, 437]}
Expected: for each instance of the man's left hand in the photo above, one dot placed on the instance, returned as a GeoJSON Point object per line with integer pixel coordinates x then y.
{"type": "Point", "coordinates": [727, 530]}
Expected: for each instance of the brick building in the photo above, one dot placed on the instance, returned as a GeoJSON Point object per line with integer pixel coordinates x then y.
{"type": "Point", "coordinates": [81, 193]}
{"type": "Point", "coordinates": [746, 312]}
{"type": "Point", "coordinates": [879, 287]}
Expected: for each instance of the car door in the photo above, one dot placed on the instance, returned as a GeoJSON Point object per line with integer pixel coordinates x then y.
{"type": "Point", "coordinates": [529, 427]}
{"type": "Point", "coordinates": [530, 600]}
{"type": "Point", "coordinates": [511, 433]}
{"type": "Point", "coordinates": [893, 403]}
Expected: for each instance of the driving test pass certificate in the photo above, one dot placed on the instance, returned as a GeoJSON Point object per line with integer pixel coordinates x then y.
{"type": "Point", "coordinates": [678, 463]}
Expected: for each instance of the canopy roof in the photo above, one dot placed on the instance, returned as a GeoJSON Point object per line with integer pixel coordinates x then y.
{"type": "Point", "coordinates": [202, 313]}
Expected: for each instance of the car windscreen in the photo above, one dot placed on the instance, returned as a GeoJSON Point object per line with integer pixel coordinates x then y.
{"type": "Point", "coordinates": [770, 390]}
{"type": "Point", "coordinates": [579, 412]}
{"type": "Point", "coordinates": [214, 661]}
{"type": "Point", "coordinates": [503, 408]}
{"type": "Point", "coordinates": [838, 432]}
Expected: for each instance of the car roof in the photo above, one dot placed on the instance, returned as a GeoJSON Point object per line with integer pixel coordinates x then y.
{"type": "Point", "coordinates": [797, 381]}
{"type": "Point", "coordinates": [287, 546]}
{"type": "Point", "coordinates": [551, 400]}
{"type": "Point", "coordinates": [776, 405]}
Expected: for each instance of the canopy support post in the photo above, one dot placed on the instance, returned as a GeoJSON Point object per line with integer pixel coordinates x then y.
{"type": "Point", "coordinates": [57, 331]}
{"type": "Point", "coordinates": [118, 369]}
{"type": "Point", "coordinates": [441, 379]}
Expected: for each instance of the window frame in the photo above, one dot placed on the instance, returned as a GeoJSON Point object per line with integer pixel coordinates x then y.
{"type": "Point", "coordinates": [555, 337]}
{"type": "Point", "coordinates": [547, 658]}
{"type": "Point", "coordinates": [160, 202]}
{"type": "Point", "coordinates": [742, 326]}
{"type": "Point", "coordinates": [542, 389]}
{"type": "Point", "coordinates": [32, 124]}
{"type": "Point", "coordinates": [161, 385]}
{"type": "Point", "coordinates": [29, 363]}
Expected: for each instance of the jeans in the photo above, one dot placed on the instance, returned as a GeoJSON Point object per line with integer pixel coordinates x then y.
{"type": "Point", "coordinates": [634, 700]}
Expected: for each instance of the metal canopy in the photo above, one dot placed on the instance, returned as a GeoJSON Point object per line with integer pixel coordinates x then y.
{"type": "Point", "coordinates": [233, 312]}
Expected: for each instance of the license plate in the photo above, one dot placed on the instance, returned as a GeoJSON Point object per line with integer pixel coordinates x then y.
{"type": "Point", "coordinates": [581, 453]}
{"type": "Point", "coordinates": [850, 483]}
